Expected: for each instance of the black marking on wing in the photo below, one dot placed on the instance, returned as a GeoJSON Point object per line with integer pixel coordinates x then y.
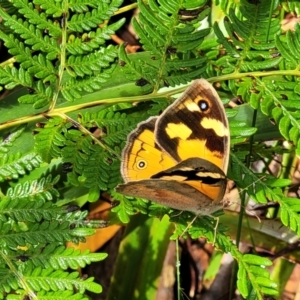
{"type": "Point", "coordinates": [192, 119]}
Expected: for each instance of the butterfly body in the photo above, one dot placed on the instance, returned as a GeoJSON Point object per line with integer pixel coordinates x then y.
{"type": "Point", "coordinates": [180, 158]}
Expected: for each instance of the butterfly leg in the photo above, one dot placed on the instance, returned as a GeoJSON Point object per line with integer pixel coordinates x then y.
{"type": "Point", "coordinates": [217, 219]}
{"type": "Point", "coordinates": [189, 226]}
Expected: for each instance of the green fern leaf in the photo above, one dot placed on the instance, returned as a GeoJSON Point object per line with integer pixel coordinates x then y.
{"type": "Point", "coordinates": [8, 282]}
{"type": "Point", "coordinates": [291, 6]}
{"type": "Point", "coordinates": [59, 257]}
{"type": "Point", "coordinates": [242, 281]}
{"type": "Point", "coordinates": [89, 64]}
{"type": "Point", "coordinates": [257, 187]}
{"type": "Point", "coordinates": [51, 8]}
{"type": "Point", "coordinates": [29, 32]}
{"type": "Point", "coordinates": [289, 213]}
{"type": "Point", "coordinates": [9, 140]}
{"type": "Point", "coordinates": [72, 87]}
{"type": "Point", "coordinates": [46, 232]}
{"type": "Point", "coordinates": [93, 39]}
{"type": "Point", "coordinates": [29, 12]}
{"type": "Point", "coordinates": [115, 125]}
{"type": "Point", "coordinates": [82, 154]}
{"type": "Point", "coordinates": [257, 277]}
{"type": "Point", "coordinates": [288, 46]}
{"type": "Point", "coordinates": [12, 77]}
{"type": "Point", "coordinates": [124, 209]}
{"type": "Point", "coordinates": [287, 117]}
{"type": "Point", "coordinates": [91, 19]}
{"type": "Point", "coordinates": [12, 166]}
{"type": "Point", "coordinates": [245, 35]}
{"type": "Point", "coordinates": [30, 212]}
{"type": "Point", "coordinates": [82, 5]}
{"type": "Point", "coordinates": [42, 97]}
{"type": "Point", "coordinates": [169, 41]}
{"type": "Point", "coordinates": [49, 279]}
{"type": "Point", "coordinates": [43, 34]}
{"type": "Point", "coordinates": [50, 138]}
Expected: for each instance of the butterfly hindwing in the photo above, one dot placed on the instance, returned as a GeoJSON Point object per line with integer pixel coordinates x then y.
{"type": "Point", "coordinates": [190, 185]}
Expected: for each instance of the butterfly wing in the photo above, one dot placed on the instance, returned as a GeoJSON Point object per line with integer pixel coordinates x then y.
{"type": "Point", "coordinates": [178, 187]}
{"type": "Point", "coordinates": [142, 157]}
{"type": "Point", "coordinates": [195, 125]}
{"type": "Point", "coordinates": [190, 138]}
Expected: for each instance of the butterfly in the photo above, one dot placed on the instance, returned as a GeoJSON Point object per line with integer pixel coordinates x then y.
{"type": "Point", "coordinates": [179, 159]}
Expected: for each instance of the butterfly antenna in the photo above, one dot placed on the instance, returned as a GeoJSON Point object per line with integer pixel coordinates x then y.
{"type": "Point", "coordinates": [245, 188]}
{"type": "Point", "coordinates": [228, 203]}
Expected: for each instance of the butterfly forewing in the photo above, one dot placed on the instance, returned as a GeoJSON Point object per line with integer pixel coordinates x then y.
{"type": "Point", "coordinates": [195, 125]}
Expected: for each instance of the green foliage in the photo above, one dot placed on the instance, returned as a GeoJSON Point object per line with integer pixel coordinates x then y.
{"type": "Point", "coordinates": [172, 43]}
{"type": "Point", "coordinates": [43, 32]}
{"type": "Point", "coordinates": [55, 59]}
{"type": "Point", "coordinates": [252, 276]}
{"type": "Point", "coordinates": [33, 230]}
{"type": "Point", "coordinates": [69, 113]}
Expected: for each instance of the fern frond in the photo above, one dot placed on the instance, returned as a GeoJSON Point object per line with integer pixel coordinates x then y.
{"type": "Point", "coordinates": [288, 47]}
{"type": "Point", "coordinates": [54, 280]}
{"type": "Point", "coordinates": [9, 8]}
{"type": "Point", "coordinates": [39, 190]}
{"type": "Point", "coordinates": [8, 282]}
{"type": "Point", "coordinates": [252, 276]}
{"type": "Point", "coordinates": [267, 188]}
{"type": "Point", "coordinates": [278, 100]}
{"type": "Point", "coordinates": [12, 166]}
{"type": "Point", "coordinates": [87, 43]}
{"type": "Point", "coordinates": [129, 206]}
{"type": "Point", "coordinates": [260, 187]}
{"type": "Point", "coordinates": [45, 232]}
{"type": "Point", "coordinates": [291, 6]}
{"type": "Point", "coordinates": [86, 21]}
{"type": "Point", "coordinates": [91, 63]}
{"type": "Point", "coordinates": [27, 211]}
{"type": "Point", "coordinates": [48, 280]}
{"type": "Point", "coordinates": [248, 47]}
{"type": "Point", "coordinates": [8, 141]}
{"type": "Point", "coordinates": [12, 77]}
{"type": "Point", "coordinates": [50, 138]}
{"type": "Point", "coordinates": [60, 257]}
{"type": "Point", "coordinates": [37, 18]}
{"type": "Point", "coordinates": [42, 96]}
{"type": "Point", "coordinates": [252, 269]}
{"type": "Point", "coordinates": [92, 167]}
{"type": "Point", "coordinates": [29, 32]}
{"type": "Point", "coordinates": [41, 31]}
{"type": "Point", "coordinates": [51, 8]}
{"type": "Point", "coordinates": [74, 86]}
{"type": "Point", "coordinates": [289, 213]}
{"type": "Point", "coordinates": [115, 125]}
{"type": "Point", "coordinates": [24, 57]}
{"type": "Point", "coordinates": [172, 44]}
